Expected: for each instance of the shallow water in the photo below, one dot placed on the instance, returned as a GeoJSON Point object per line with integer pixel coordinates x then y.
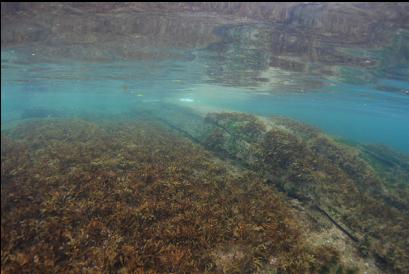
{"type": "Point", "coordinates": [344, 74]}
{"type": "Point", "coordinates": [238, 72]}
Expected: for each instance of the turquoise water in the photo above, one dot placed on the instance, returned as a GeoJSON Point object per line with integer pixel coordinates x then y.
{"type": "Point", "coordinates": [127, 144]}
{"type": "Point", "coordinates": [351, 89]}
{"type": "Point", "coordinates": [359, 112]}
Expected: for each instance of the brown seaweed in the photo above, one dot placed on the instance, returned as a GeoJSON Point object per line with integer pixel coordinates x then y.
{"type": "Point", "coordinates": [133, 197]}
{"type": "Point", "coordinates": [360, 197]}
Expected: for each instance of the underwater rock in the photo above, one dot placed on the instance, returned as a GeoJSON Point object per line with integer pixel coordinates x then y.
{"type": "Point", "coordinates": [126, 196]}
{"type": "Point", "coordinates": [306, 164]}
{"type": "Point", "coordinates": [324, 173]}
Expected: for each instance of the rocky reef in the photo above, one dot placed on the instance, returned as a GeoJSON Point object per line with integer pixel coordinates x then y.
{"type": "Point", "coordinates": [304, 163]}
{"type": "Point", "coordinates": [173, 190]}
{"type": "Point", "coordinates": [133, 196]}
{"type": "Point", "coordinates": [362, 190]}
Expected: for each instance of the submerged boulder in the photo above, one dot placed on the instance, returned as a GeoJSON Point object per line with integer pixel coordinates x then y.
{"type": "Point", "coordinates": [339, 181]}
{"type": "Point", "coordinates": [333, 177]}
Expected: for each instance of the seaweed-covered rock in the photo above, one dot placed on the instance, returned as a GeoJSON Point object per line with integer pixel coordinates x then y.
{"type": "Point", "coordinates": [314, 168]}
{"type": "Point", "coordinates": [126, 196]}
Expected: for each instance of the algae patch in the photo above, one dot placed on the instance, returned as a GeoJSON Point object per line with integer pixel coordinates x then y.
{"type": "Point", "coordinates": [130, 196]}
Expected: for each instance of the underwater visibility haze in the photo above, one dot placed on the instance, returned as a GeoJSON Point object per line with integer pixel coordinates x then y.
{"type": "Point", "coordinates": [205, 137]}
